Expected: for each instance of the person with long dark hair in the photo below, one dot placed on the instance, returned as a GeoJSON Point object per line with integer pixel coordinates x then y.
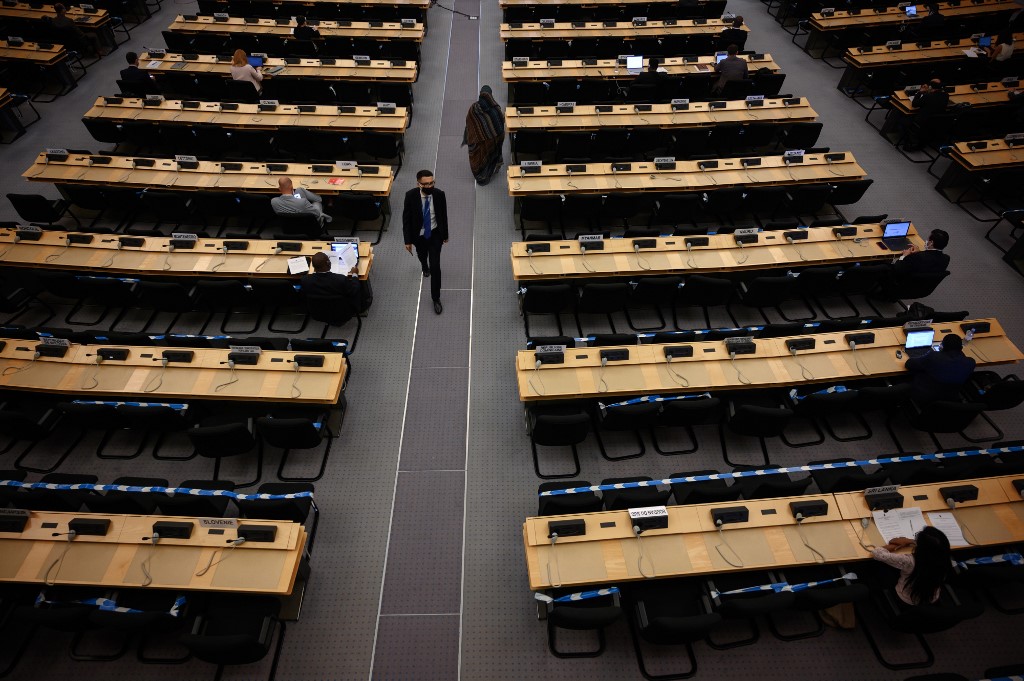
{"type": "Point", "coordinates": [484, 135]}
{"type": "Point", "coordinates": [922, 572]}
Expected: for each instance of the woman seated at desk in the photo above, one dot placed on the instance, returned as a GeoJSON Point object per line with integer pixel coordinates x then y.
{"type": "Point", "coordinates": [922, 572]}
{"type": "Point", "coordinates": [241, 69]}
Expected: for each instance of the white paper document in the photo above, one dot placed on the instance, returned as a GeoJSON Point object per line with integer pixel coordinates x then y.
{"type": "Point", "coordinates": [899, 522]}
{"type": "Point", "coordinates": [344, 257]}
{"type": "Point", "coordinates": [298, 265]}
{"type": "Point", "coordinates": [946, 521]}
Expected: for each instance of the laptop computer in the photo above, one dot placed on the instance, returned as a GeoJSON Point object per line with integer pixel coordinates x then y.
{"type": "Point", "coordinates": [894, 236]}
{"type": "Point", "coordinates": [911, 10]}
{"type": "Point", "coordinates": [719, 56]}
{"type": "Point", "coordinates": [344, 258]}
{"type": "Point", "coordinates": [985, 41]}
{"type": "Point", "coordinates": [255, 62]}
{"type": "Point", "coordinates": [919, 342]}
{"type": "Point", "coordinates": [635, 64]}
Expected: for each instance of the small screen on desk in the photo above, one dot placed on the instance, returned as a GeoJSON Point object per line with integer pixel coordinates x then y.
{"type": "Point", "coordinates": [896, 229]}
{"type": "Point", "coordinates": [255, 62]}
{"type": "Point", "coordinates": [920, 338]}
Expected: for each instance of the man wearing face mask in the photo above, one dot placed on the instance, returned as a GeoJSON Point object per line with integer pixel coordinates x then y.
{"type": "Point", "coordinates": [425, 224]}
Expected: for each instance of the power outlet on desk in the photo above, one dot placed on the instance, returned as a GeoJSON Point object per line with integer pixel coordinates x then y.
{"type": "Point", "coordinates": [116, 354]}
{"type": "Point", "coordinates": [567, 528]}
{"type": "Point", "coordinates": [741, 345]}
{"type": "Point", "coordinates": [809, 509]}
{"type": "Point", "coordinates": [795, 235]}
{"type": "Point", "coordinates": [677, 351]}
{"type": "Point", "coordinates": [95, 527]}
{"type": "Point", "coordinates": [645, 243]}
{"type": "Point", "coordinates": [730, 514]}
{"type": "Point", "coordinates": [615, 355]}
{"type": "Point", "coordinates": [246, 358]}
{"type": "Point", "coordinates": [258, 533]}
{"type": "Point", "coordinates": [51, 350]}
{"type": "Point", "coordinates": [696, 241]}
{"type": "Point", "coordinates": [309, 360]}
{"type": "Point", "coordinates": [181, 356]}
{"type": "Point", "coordinates": [864, 338]}
{"type": "Point", "coordinates": [172, 529]}
{"type": "Point", "coordinates": [840, 232]}
{"type": "Point", "coordinates": [549, 357]}
{"type": "Point", "coordinates": [795, 344]}
{"type": "Point", "coordinates": [959, 493]}
{"type": "Point", "coordinates": [13, 519]}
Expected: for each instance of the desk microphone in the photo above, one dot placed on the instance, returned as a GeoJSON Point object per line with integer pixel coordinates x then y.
{"type": "Point", "coordinates": [95, 379]}
{"type": "Point", "coordinates": [818, 556]}
{"type": "Point", "coordinates": [224, 250]}
{"type": "Point", "coordinates": [640, 260]}
{"type": "Point", "coordinates": [601, 381]}
{"type": "Point", "coordinates": [70, 534]}
{"type": "Point", "coordinates": [17, 238]}
{"type": "Point", "coordinates": [8, 372]}
{"type": "Point", "coordinates": [277, 251]}
{"type": "Point", "coordinates": [739, 374]}
{"type": "Point", "coordinates": [640, 558]}
{"type": "Point", "coordinates": [147, 576]}
{"type": "Point", "coordinates": [951, 503]}
{"type": "Point", "coordinates": [791, 242]}
{"type": "Point", "coordinates": [110, 260]}
{"type": "Point", "coordinates": [856, 360]}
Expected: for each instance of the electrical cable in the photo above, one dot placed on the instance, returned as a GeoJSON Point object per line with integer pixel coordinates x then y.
{"type": "Point", "coordinates": [53, 256]}
{"type": "Point", "coordinates": [641, 261]}
{"type": "Point", "coordinates": [704, 170]}
{"type": "Point", "coordinates": [95, 374]}
{"type": "Point", "coordinates": [59, 562]}
{"type": "Point", "coordinates": [819, 557]}
{"type": "Point", "coordinates": [746, 256]}
{"type": "Point", "coordinates": [17, 370]}
{"type": "Point", "coordinates": [536, 368]}
{"type": "Point", "coordinates": [148, 561]}
{"type": "Point", "coordinates": [600, 378]}
{"type": "Point", "coordinates": [232, 377]}
{"type": "Point", "coordinates": [167, 257]}
{"type": "Point", "coordinates": [223, 260]}
{"type": "Point", "coordinates": [789, 169]}
{"type": "Point", "coordinates": [724, 542]}
{"type": "Point", "coordinates": [296, 390]}
{"type": "Point", "coordinates": [796, 248]}
{"type": "Point", "coordinates": [160, 376]}
{"type": "Point", "coordinates": [16, 240]}
{"type": "Point", "coordinates": [849, 250]}
{"type": "Point", "coordinates": [864, 522]}
{"type": "Point", "coordinates": [739, 374]}
{"type": "Point", "coordinates": [554, 559]}
{"type": "Point", "coordinates": [640, 558]}
{"type": "Point", "coordinates": [856, 359]}
{"type": "Point", "coordinates": [110, 260]}
{"type": "Point", "coordinates": [682, 380]}
{"type": "Point", "coordinates": [965, 529]}
{"type": "Point", "coordinates": [586, 265]}
{"type": "Point", "coordinates": [804, 371]}
{"type": "Point", "coordinates": [235, 543]}
{"type": "Point", "coordinates": [529, 261]}
{"type": "Point", "coordinates": [976, 352]}
{"type": "Point", "coordinates": [690, 262]}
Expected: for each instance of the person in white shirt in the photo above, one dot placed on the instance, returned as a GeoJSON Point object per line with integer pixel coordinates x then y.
{"type": "Point", "coordinates": [241, 69]}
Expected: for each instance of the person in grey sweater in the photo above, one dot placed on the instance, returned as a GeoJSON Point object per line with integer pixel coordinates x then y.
{"type": "Point", "coordinates": [295, 201]}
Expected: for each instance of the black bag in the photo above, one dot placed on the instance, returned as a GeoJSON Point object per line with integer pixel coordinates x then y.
{"type": "Point", "coordinates": [916, 312]}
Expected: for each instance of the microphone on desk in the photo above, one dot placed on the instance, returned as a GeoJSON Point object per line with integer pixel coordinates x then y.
{"type": "Point", "coordinates": [70, 534]}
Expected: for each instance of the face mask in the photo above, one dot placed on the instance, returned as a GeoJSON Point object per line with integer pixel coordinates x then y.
{"type": "Point", "coordinates": [427, 190]}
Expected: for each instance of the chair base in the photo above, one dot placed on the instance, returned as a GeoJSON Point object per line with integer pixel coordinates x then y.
{"type": "Point", "coordinates": [638, 650]}
{"type": "Point", "coordinates": [817, 631]}
{"type": "Point", "coordinates": [536, 464]}
{"type": "Point", "coordinates": [928, 660]}
{"type": "Point", "coordinates": [675, 452]}
{"type": "Point", "coordinates": [320, 473]}
{"type": "Point", "coordinates": [639, 438]}
{"type": "Point", "coordinates": [553, 647]}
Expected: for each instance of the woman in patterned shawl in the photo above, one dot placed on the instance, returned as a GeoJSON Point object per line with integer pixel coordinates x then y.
{"type": "Point", "coordinates": [484, 134]}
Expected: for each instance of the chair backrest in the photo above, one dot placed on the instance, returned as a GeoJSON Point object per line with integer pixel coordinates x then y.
{"type": "Point", "coordinates": [294, 433]}
{"type": "Point", "coordinates": [947, 417]}
{"type": "Point", "coordinates": [561, 504]}
{"type": "Point", "coordinates": [33, 208]}
{"type": "Point", "coordinates": [547, 298]}
{"type": "Point", "coordinates": [228, 439]}
{"type": "Point", "coordinates": [758, 421]}
{"type": "Point", "coordinates": [334, 310]}
{"type": "Point", "coordinates": [1005, 394]}
{"type": "Point", "coordinates": [554, 430]}
{"type": "Point", "coordinates": [707, 291]}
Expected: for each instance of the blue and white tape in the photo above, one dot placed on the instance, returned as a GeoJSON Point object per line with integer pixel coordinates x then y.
{"type": "Point", "coordinates": [789, 469]}
{"type": "Point", "coordinates": [655, 398]}
{"type": "Point", "coordinates": [849, 576]}
{"type": "Point", "coordinates": [180, 406]}
{"type": "Point", "coordinates": [777, 587]}
{"type": "Point", "coordinates": [834, 389]}
{"type": "Point", "coordinates": [578, 596]}
{"type": "Point", "coordinates": [1013, 558]}
{"type": "Point", "coordinates": [109, 605]}
{"type": "Point", "coordinates": [156, 490]}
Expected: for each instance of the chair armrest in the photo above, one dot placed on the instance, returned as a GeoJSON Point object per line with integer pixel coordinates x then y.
{"type": "Point", "coordinates": [266, 630]}
{"type": "Point", "coordinates": [641, 615]}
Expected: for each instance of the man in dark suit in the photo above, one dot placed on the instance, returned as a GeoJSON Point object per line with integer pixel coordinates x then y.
{"type": "Point", "coordinates": [654, 75]}
{"type": "Point", "coordinates": [425, 224]}
{"type": "Point", "coordinates": [323, 282]}
{"type": "Point", "coordinates": [133, 74]}
{"type": "Point", "coordinates": [931, 101]}
{"type": "Point", "coordinates": [735, 35]}
{"type": "Point", "coordinates": [940, 375]}
{"type": "Point", "coordinates": [304, 32]}
{"type": "Point", "coordinates": [730, 68]}
{"type": "Point", "coordinates": [933, 25]}
{"type": "Point", "coordinates": [929, 261]}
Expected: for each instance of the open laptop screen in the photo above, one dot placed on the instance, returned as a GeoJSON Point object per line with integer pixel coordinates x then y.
{"type": "Point", "coordinates": [920, 338]}
{"type": "Point", "coordinates": [896, 229]}
{"type": "Point", "coordinates": [255, 62]}
{"type": "Point", "coordinates": [719, 56]}
{"type": "Point", "coordinates": [635, 63]}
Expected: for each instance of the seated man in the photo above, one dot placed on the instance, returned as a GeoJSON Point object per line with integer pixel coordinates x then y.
{"type": "Point", "coordinates": [299, 201]}
{"type": "Point", "coordinates": [929, 261]}
{"type": "Point", "coordinates": [323, 282]}
{"type": "Point", "coordinates": [133, 74]}
{"type": "Point", "coordinates": [654, 75]}
{"type": "Point", "coordinates": [730, 68]}
{"type": "Point", "coordinates": [304, 32]}
{"type": "Point", "coordinates": [931, 101]}
{"type": "Point", "coordinates": [735, 35]}
{"type": "Point", "coordinates": [940, 375]}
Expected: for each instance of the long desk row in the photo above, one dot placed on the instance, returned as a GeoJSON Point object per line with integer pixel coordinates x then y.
{"type": "Point", "coordinates": [561, 260]}
{"type": "Point", "coordinates": [893, 16]}
{"type": "Point", "coordinates": [977, 95]}
{"type": "Point", "coordinates": [611, 69]}
{"type": "Point", "coordinates": [577, 30]}
{"type": "Point", "coordinates": [710, 366]}
{"type": "Point", "coordinates": [161, 173]}
{"type": "Point", "coordinates": [200, 374]}
{"type": "Point", "coordinates": [249, 116]}
{"type": "Point", "coordinates": [692, 545]}
{"type": "Point", "coordinates": [925, 52]}
{"type": "Point", "coordinates": [42, 554]}
{"type": "Point", "coordinates": [192, 24]}
{"type": "Point", "coordinates": [684, 176]}
{"type": "Point", "coordinates": [298, 67]}
{"type": "Point", "coordinates": [154, 257]}
{"type": "Point", "coordinates": [694, 115]}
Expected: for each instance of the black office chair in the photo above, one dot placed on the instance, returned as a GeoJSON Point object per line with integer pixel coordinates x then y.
{"type": "Point", "coordinates": [819, 408]}
{"type": "Point", "coordinates": [706, 292]}
{"type": "Point", "coordinates": [231, 298]}
{"type": "Point", "coordinates": [602, 298]}
{"type": "Point", "coordinates": [128, 503]}
{"type": "Point", "coordinates": [704, 491]}
{"type": "Point", "coordinates": [997, 393]}
{"type": "Point", "coordinates": [633, 497]}
{"type": "Point", "coordinates": [686, 414]}
{"type": "Point", "coordinates": [942, 417]}
{"type": "Point", "coordinates": [655, 293]}
{"type": "Point", "coordinates": [57, 500]}
{"type": "Point", "coordinates": [236, 629]}
{"type": "Point", "coordinates": [626, 417]}
{"type": "Point", "coordinates": [567, 504]}
{"type": "Point", "coordinates": [31, 422]}
{"type": "Point", "coordinates": [221, 437]}
{"type": "Point", "coordinates": [301, 510]}
{"type": "Point", "coordinates": [590, 614]}
{"type": "Point", "coordinates": [334, 311]}
{"type": "Point", "coordinates": [546, 210]}
{"type": "Point", "coordinates": [41, 211]}
{"type": "Point", "coordinates": [770, 486]}
{"type": "Point", "coordinates": [845, 479]}
{"type": "Point", "coordinates": [297, 432]}
{"type": "Point", "coordinates": [552, 299]}
{"type": "Point", "coordinates": [199, 506]}
{"type": "Point", "coordinates": [772, 292]}
{"type": "Point", "coordinates": [813, 601]}
{"type": "Point", "coordinates": [756, 420]}
{"type": "Point", "coordinates": [557, 428]}
{"type": "Point", "coordinates": [141, 615]}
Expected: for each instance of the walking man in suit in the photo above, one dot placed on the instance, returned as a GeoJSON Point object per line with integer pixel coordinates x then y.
{"type": "Point", "coordinates": [425, 224]}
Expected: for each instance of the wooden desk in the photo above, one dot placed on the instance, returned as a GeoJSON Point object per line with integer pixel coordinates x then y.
{"type": "Point", "coordinates": [596, 3]}
{"type": "Point", "coordinates": [404, 4]}
{"type": "Point", "coordinates": [154, 259]}
{"type": "Point", "coordinates": [996, 155]}
{"type": "Point", "coordinates": [387, 31]}
{"type": "Point", "coordinates": [996, 517]}
{"type": "Point", "coordinates": [994, 94]}
{"type": "Point", "coordinates": [565, 261]}
{"type": "Point", "coordinates": [687, 176]}
{"type": "Point", "coordinates": [894, 16]}
{"type": "Point", "coordinates": [343, 69]}
{"type": "Point", "coordinates": [83, 20]}
{"type": "Point", "coordinates": [609, 69]}
{"type": "Point", "coordinates": [565, 30]}
{"type": "Point", "coordinates": [40, 54]}
{"type": "Point", "coordinates": [143, 376]}
{"type": "Point", "coordinates": [249, 117]}
{"type": "Point", "coordinates": [699, 115]}
{"type": "Point", "coordinates": [210, 176]}
{"type": "Point", "coordinates": [115, 560]}
{"type": "Point", "coordinates": [608, 553]}
{"type": "Point", "coordinates": [934, 51]}
{"type": "Point", "coordinates": [772, 366]}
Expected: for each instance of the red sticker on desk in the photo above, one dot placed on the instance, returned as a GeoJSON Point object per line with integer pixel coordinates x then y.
{"type": "Point", "coordinates": [337, 181]}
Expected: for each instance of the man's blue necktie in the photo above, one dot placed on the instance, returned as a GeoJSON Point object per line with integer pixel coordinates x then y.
{"type": "Point", "coordinates": [426, 218]}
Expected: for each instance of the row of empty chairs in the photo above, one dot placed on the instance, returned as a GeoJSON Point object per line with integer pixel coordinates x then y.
{"type": "Point", "coordinates": [280, 46]}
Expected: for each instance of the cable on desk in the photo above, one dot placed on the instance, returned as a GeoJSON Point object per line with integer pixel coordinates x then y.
{"type": "Point", "coordinates": [17, 370]}
{"type": "Point", "coordinates": [819, 557]}
{"type": "Point", "coordinates": [277, 251]}
{"type": "Point", "coordinates": [554, 559]}
{"type": "Point", "coordinates": [690, 262]}
{"type": "Point", "coordinates": [296, 390]}
{"type": "Point", "coordinates": [147, 563]}
{"type": "Point", "coordinates": [680, 379]}
{"type": "Point", "coordinates": [856, 360]}
{"type": "Point", "coordinates": [739, 374]}
{"type": "Point", "coordinates": [586, 265]}
{"type": "Point", "coordinates": [95, 374]}
{"type": "Point", "coordinates": [964, 527]}
{"type": "Point", "coordinates": [724, 542]}
{"type": "Point", "coordinates": [232, 377]}
{"type": "Point", "coordinates": [746, 256]}
{"type": "Point", "coordinates": [976, 352]}
{"type": "Point", "coordinates": [167, 257]}
{"type": "Point", "coordinates": [110, 260]}
{"type": "Point", "coordinates": [59, 562]}
{"type": "Point", "coordinates": [159, 378]}
{"type": "Point", "coordinates": [536, 368]}
{"type": "Point", "coordinates": [600, 378]}
{"type": "Point", "coordinates": [704, 170]}
{"type": "Point", "coordinates": [224, 259]}
{"type": "Point", "coordinates": [796, 248]}
{"type": "Point", "coordinates": [641, 261]}
{"type": "Point", "coordinates": [804, 371]}
{"type": "Point", "coordinates": [848, 249]}
{"type": "Point", "coordinates": [640, 558]}
{"type": "Point", "coordinates": [235, 543]}
{"type": "Point", "coordinates": [864, 522]}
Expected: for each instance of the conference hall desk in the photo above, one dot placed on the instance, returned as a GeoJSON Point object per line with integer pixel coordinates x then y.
{"type": "Point", "coordinates": [273, 379]}
{"type": "Point", "coordinates": [382, 30]}
{"type": "Point", "coordinates": [97, 21]}
{"type": "Point", "coordinates": [985, 158]}
{"type": "Point", "coordinates": [44, 55]}
{"type": "Point", "coordinates": [697, 115]}
{"type": "Point", "coordinates": [154, 258]}
{"type": "Point", "coordinates": [860, 61]}
{"type": "Point", "coordinates": [574, 30]}
{"type": "Point", "coordinates": [259, 178]}
{"type": "Point", "coordinates": [116, 559]}
{"type": "Point", "coordinates": [590, 3]}
{"type": "Point", "coordinates": [598, 178]}
{"type": "Point", "coordinates": [320, 117]}
{"type": "Point", "coordinates": [330, 9]}
{"type": "Point", "coordinates": [670, 256]}
{"type": "Point", "coordinates": [890, 17]}
{"type": "Point", "coordinates": [378, 70]}
{"type": "Point", "coordinates": [609, 553]}
{"type": "Point", "coordinates": [978, 95]}
{"type": "Point", "coordinates": [772, 365]}
{"type": "Point", "coordinates": [610, 69]}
